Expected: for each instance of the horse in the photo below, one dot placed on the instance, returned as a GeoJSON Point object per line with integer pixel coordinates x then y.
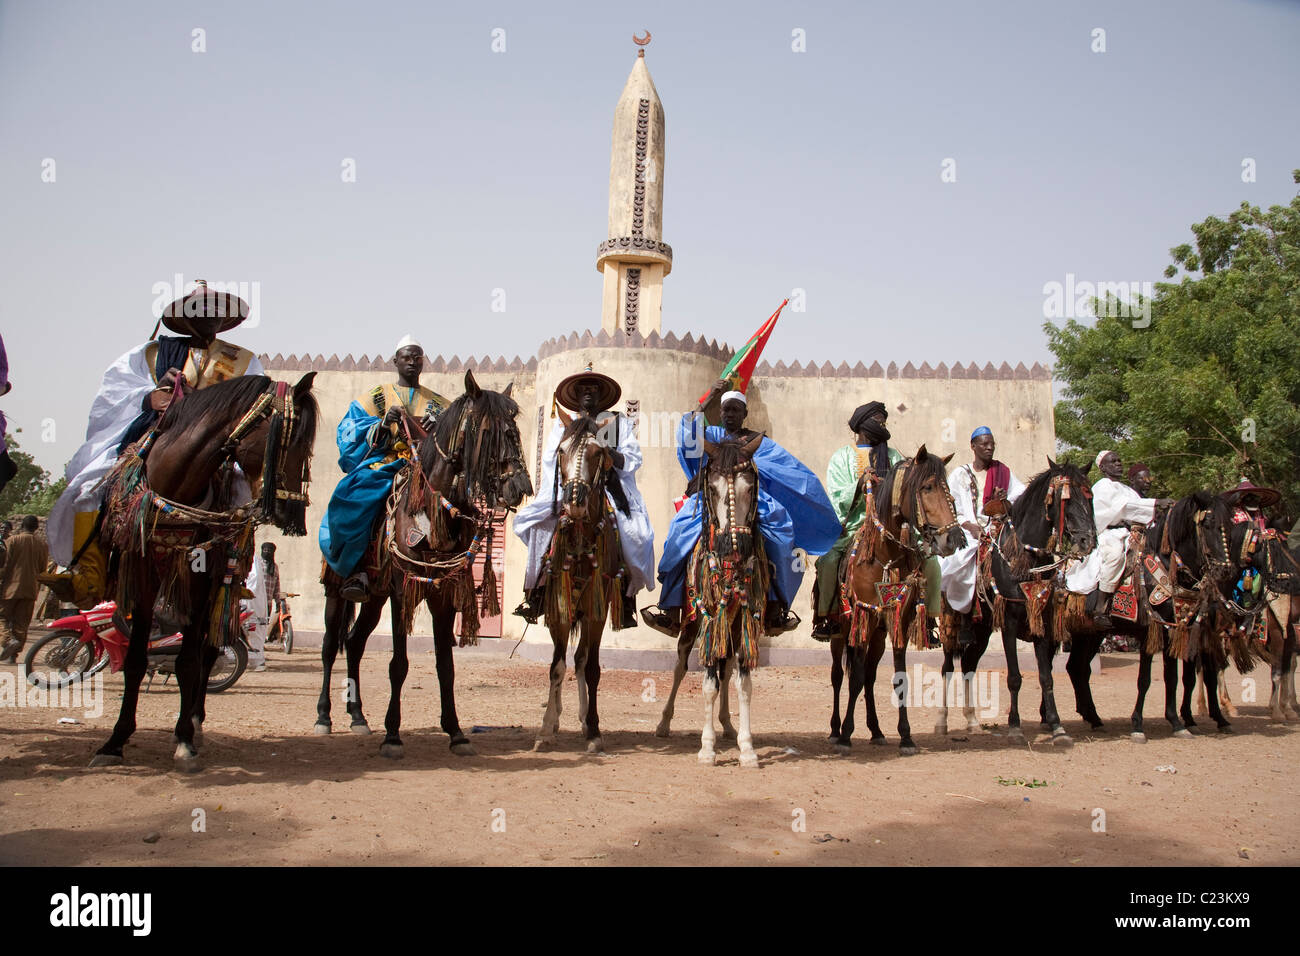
{"type": "Point", "coordinates": [583, 573]}
{"type": "Point", "coordinates": [727, 578]}
{"type": "Point", "coordinates": [883, 588]}
{"type": "Point", "coordinates": [436, 522]}
{"type": "Point", "coordinates": [1278, 622]}
{"type": "Point", "coordinates": [173, 526]}
{"type": "Point", "coordinates": [1182, 585]}
{"type": "Point", "coordinates": [1050, 522]}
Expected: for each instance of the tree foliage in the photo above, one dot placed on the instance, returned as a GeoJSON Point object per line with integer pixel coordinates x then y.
{"type": "Point", "coordinates": [1209, 391]}
{"type": "Point", "coordinates": [30, 491]}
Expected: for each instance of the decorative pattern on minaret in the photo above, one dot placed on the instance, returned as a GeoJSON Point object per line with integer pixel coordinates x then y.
{"type": "Point", "coordinates": [632, 301]}
{"type": "Point", "coordinates": [638, 194]}
{"type": "Point", "coordinates": [633, 414]}
{"type": "Point", "coordinates": [541, 425]}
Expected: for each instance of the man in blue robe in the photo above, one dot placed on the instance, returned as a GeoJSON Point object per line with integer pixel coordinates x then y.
{"type": "Point", "coordinates": [793, 512]}
{"type": "Point", "coordinates": [373, 448]}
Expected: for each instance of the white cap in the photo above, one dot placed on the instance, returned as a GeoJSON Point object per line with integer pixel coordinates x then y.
{"type": "Point", "coordinates": [737, 396]}
{"type": "Point", "coordinates": [407, 342]}
{"type": "Point", "coordinates": [1101, 455]}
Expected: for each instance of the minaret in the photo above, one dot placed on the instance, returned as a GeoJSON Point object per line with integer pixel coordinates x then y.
{"type": "Point", "coordinates": [635, 259]}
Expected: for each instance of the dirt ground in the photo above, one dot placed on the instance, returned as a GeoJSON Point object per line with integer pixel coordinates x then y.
{"type": "Point", "coordinates": [271, 792]}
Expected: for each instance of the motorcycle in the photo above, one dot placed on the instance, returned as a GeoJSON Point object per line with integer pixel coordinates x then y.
{"type": "Point", "coordinates": [281, 626]}
{"type": "Point", "coordinates": [81, 645]}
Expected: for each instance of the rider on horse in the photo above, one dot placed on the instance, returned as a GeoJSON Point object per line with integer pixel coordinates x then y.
{"type": "Point", "coordinates": [1115, 506]}
{"type": "Point", "coordinates": [975, 488]}
{"type": "Point", "coordinates": [793, 512]}
{"type": "Point", "coordinates": [871, 452]}
{"type": "Point", "coordinates": [133, 393]}
{"type": "Point", "coordinates": [374, 440]}
{"type": "Point", "coordinates": [589, 394]}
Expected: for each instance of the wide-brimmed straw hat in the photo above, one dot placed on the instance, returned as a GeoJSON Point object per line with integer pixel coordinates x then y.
{"type": "Point", "coordinates": [566, 393]}
{"type": "Point", "coordinates": [1267, 496]}
{"type": "Point", "coordinates": [203, 302]}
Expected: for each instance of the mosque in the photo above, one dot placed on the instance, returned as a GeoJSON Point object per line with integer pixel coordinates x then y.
{"type": "Point", "coordinates": [804, 408]}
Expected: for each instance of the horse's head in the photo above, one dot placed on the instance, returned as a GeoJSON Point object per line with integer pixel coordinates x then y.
{"type": "Point", "coordinates": [1054, 512]}
{"type": "Point", "coordinates": [476, 447]}
{"type": "Point", "coordinates": [267, 427]}
{"type": "Point", "coordinates": [582, 461]}
{"type": "Point", "coordinates": [1279, 566]}
{"type": "Point", "coordinates": [730, 484]}
{"type": "Point", "coordinates": [916, 492]}
{"type": "Point", "coordinates": [1199, 529]}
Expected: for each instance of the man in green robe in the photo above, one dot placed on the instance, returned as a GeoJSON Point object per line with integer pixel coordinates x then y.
{"type": "Point", "coordinates": [870, 451]}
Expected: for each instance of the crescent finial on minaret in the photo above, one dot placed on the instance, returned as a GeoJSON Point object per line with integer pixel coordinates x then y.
{"type": "Point", "coordinates": [641, 42]}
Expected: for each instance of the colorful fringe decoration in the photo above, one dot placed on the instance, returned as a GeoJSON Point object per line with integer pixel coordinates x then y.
{"type": "Point", "coordinates": [894, 600]}
{"type": "Point", "coordinates": [1037, 594]}
{"type": "Point", "coordinates": [999, 612]}
{"type": "Point", "coordinates": [950, 624]}
{"type": "Point", "coordinates": [585, 583]}
{"type": "Point", "coordinates": [726, 596]}
{"type": "Point", "coordinates": [491, 604]}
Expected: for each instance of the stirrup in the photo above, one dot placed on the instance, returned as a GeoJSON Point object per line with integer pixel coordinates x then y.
{"type": "Point", "coordinates": [659, 619]}
{"type": "Point", "coordinates": [826, 631]}
{"type": "Point", "coordinates": [356, 588]}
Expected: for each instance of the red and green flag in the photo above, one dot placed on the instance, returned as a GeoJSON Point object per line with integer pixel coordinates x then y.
{"type": "Point", "coordinates": [743, 363]}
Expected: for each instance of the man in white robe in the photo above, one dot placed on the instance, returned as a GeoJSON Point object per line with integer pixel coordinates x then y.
{"type": "Point", "coordinates": [590, 393]}
{"type": "Point", "coordinates": [1115, 505]}
{"type": "Point", "coordinates": [983, 481]}
{"type": "Point", "coordinates": [256, 582]}
{"type": "Point", "coordinates": [133, 393]}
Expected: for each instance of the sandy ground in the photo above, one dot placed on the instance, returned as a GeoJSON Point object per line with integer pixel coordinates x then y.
{"type": "Point", "coordinates": [272, 793]}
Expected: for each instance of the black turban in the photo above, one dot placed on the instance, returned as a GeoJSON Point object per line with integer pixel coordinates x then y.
{"type": "Point", "coordinates": [864, 412]}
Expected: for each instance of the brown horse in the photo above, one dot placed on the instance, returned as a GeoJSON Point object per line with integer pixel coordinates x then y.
{"type": "Point", "coordinates": [1280, 624]}
{"type": "Point", "coordinates": [583, 573]}
{"type": "Point", "coordinates": [438, 520]}
{"type": "Point", "coordinates": [884, 581]}
{"type": "Point", "coordinates": [174, 525]}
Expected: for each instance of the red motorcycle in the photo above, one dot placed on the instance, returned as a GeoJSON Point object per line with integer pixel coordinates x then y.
{"type": "Point", "coordinates": [84, 644]}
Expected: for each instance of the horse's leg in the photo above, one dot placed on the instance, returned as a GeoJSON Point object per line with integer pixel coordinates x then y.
{"type": "Point", "coordinates": [1143, 685]}
{"type": "Point", "coordinates": [337, 622]}
{"type": "Point", "coordinates": [1171, 696]}
{"type": "Point", "coordinates": [744, 692]}
{"type": "Point", "coordinates": [837, 680]}
{"type": "Point", "coordinates": [684, 644]}
{"type": "Point", "coordinates": [857, 661]}
{"type": "Point", "coordinates": [551, 718]}
{"type": "Point", "coordinates": [444, 642]}
{"type": "Point", "coordinates": [593, 631]}
{"type": "Point", "coordinates": [941, 725]}
{"type": "Point", "coordinates": [208, 657]}
{"type": "Point", "coordinates": [1083, 648]}
{"type": "Point", "coordinates": [906, 746]}
{"type": "Point", "coordinates": [1189, 685]}
{"type": "Point", "coordinates": [1286, 673]}
{"type": "Point", "coordinates": [580, 651]}
{"type": "Point", "coordinates": [708, 736]}
{"type": "Point", "coordinates": [1210, 672]}
{"type": "Point", "coordinates": [724, 702]}
{"type": "Point", "coordinates": [137, 659]}
{"type": "Point", "coordinates": [367, 617]}
{"type": "Point", "coordinates": [189, 671]}
{"type": "Point", "coordinates": [970, 662]}
{"type": "Point", "coordinates": [398, 667]}
{"type": "Point", "coordinates": [1011, 650]}
{"type": "Point", "coordinates": [874, 652]}
{"type": "Point", "coordinates": [1044, 651]}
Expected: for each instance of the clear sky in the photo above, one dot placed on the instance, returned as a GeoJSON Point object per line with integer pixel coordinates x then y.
{"type": "Point", "coordinates": [478, 170]}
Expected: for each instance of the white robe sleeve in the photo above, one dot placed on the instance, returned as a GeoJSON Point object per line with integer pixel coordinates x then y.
{"type": "Point", "coordinates": [1015, 488]}
{"type": "Point", "coordinates": [1114, 502]}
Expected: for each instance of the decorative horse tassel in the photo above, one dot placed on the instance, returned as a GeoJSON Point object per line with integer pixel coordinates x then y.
{"type": "Point", "coordinates": [491, 604]}
{"type": "Point", "coordinates": [1155, 634]}
{"type": "Point", "coordinates": [999, 612]}
{"type": "Point", "coordinates": [269, 460]}
{"type": "Point", "coordinates": [616, 601]}
{"type": "Point", "coordinates": [920, 630]}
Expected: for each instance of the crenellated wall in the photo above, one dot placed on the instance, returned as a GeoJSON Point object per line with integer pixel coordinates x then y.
{"type": "Point", "coordinates": [805, 407]}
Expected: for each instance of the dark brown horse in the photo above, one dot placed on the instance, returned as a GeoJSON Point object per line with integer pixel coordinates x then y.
{"type": "Point", "coordinates": [884, 582]}
{"type": "Point", "coordinates": [437, 524]}
{"type": "Point", "coordinates": [583, 572]}
{"type": "Point", "coordinates": [174, 525]}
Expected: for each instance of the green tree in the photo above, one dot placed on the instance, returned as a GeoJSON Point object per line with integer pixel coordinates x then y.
{"type": "Point", "coordinates": [30, 491]}
{"type": "Point", "coordinates": [1209, 391]}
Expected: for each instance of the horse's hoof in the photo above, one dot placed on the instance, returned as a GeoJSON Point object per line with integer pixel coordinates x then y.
{"type": "Point", "coordinates": [662, 730]}
{"type": "Point", "coordinates": [833, 736]}
{"type": "Point", "coordinates": [941, 729]}
{"type": "Point", "coordinates": [878, 740]}
{"type": "Point", "coordinates": [360, 728]}
{"type": "Point", "coordinates": [595, 746]}
{"type": "Point", "coordinates": [907, 750]}
{"type": "Point", "coordinates": [749, 759]}
{"type": "Point", "coordinates": [1096, 725]}
{"type": "Point", "coordinates": [973, 727]}
{"type": "Point", "coordinates": [1061, 739]}
{"type": "Point", "coordinates": [543, 743]}
{"type": "Point", "coordinates": [1016, 733]}
{"type": "Point", "coordinates": [464, 749]}
{"type": "Point", "coordinates": [844, 749]}
{"type": "Point", "coordinates": [707, 758]}
{"type": "Point", "coordinates": [321, 730]}
{"type": "Point", "coordinates": [1138, 737]}
{"type": "Point", "coordinates": [1226, 729]}
{"type": "Point", "coordinates": [106, 760]}
{"type": "Point", "coordinates": [728, 732]}
{"type": "Point", "coordinates": [1182, 733]}
{"type": "Point", "coordinates": [392, 751]}
{"type": "Point", "coordinates": [186, 758]}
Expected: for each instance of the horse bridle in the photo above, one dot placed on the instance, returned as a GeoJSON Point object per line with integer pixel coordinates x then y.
{"type": "Point", "coordinates": [275, 404]}
{"type": "Point", "coordinates": [455, 455]}
{"type": "Point", "coordinates": [733, 529]}
{"type": "Point", "coordinates": [929, 533]}
{"type": "Point", "coordinates": [1060, 489]}
{"type": "Point", "coordinates": [570, 490]}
